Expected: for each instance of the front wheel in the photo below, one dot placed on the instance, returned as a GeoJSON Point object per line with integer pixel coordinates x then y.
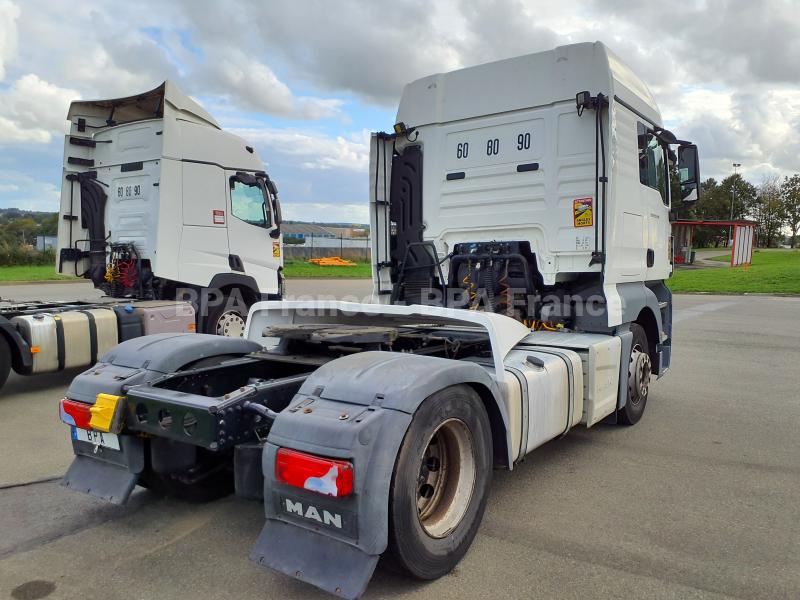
{"type": "Point", "coordinates": [640, 370]}
{"type": "Point", "coordinates": [440, 483]}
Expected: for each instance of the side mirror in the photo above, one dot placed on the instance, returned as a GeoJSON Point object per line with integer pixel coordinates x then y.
{"type": "Point", "coordinates": [273, 189]}
{"type": "Point", "coordinates": [276, 211]}
{"type": "Point", "coordinates": [689, 173]}
{"type": "Point", "coordinates": [265, 211]}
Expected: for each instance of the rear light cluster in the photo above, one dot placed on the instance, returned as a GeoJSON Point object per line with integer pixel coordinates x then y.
{"type": "Point", "coordinates": [77, 414]}
{"type": "Point", "coordinates": [106, 414]}
{"type": "Point", "coordinates": [321, 475]}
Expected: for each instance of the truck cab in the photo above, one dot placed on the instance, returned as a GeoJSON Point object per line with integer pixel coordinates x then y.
{"type": "Point", "coordinates": [546, 202]}
{"type": "Point", "coordinates": [162, 209]}
{"type": "Point", "coordinates": [159, 202]}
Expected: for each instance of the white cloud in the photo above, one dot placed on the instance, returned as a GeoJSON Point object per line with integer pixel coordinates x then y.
{"type": "Point", "coordinates": [27, 193]}
{"type": "Point", "coordinates": [32, 110]}
{"type": "Point", "coordinates": [11, 132]}
{"type": "Point", "coordinates": [254, 86]}
{"type": "Point", "coordinates": [9, 12]}
{"type": "Point", "coordinates": [130, 48]}
{"type": "Point", "coordinates": [312, 150]}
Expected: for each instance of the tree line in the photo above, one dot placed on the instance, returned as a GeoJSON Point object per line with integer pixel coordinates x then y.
{"type": "Point", "coordinates": [774, 205]}
{"type": "Point", "coordinates": [18, 232]}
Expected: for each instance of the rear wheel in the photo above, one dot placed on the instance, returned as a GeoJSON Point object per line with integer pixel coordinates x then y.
{"type": "Point", "coordinates": [640, 368]}
{"type": "Point", "coordinates": [440, 483]}
{"type": "Point", "coordinates": [5, 360]}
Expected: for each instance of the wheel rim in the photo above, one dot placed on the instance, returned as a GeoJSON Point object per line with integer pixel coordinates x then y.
{"type": "Point", "coordinates": [639, 371]}
{"type": "Point", "coordinates": [230, 324]}
{"type": "Point", "coordinates": [446, 478]}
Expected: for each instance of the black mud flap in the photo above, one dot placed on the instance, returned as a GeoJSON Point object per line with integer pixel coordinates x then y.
{"type": "Point", "coordinates": [104, 480]}
{"type": "Point", "coordinates": [322, 561]}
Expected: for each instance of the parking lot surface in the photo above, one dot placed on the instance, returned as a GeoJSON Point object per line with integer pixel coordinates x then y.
{"type": "Point", "coordinates": [699, 500]}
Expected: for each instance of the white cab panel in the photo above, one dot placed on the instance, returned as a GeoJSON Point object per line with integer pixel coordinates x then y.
{"type": "Point", "coordinates": [203, 254]}
{"type": "Point", "coordinates": [204, 195]}
{"type": "Point", "coordinates": [129, 143]}
{"type": "Point", "coordinates": [497, 198]}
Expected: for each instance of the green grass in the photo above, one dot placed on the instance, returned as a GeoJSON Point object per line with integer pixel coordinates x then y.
{"type": "Point", "coordinates": [299, 269]}
{"type": "Point", "coordinates": [772, 272]}
{"type": "Point", "coordinates": [31, 273]}
{"type": "Point", "coordinates": [292, 270]}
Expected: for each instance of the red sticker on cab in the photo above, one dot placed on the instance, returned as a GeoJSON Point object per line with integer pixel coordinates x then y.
{"type": "Point", "coordinates": [218, 217]}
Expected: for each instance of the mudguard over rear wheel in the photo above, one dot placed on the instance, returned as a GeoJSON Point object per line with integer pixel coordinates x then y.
{"type": "Point", "coordinates": [440, 483]}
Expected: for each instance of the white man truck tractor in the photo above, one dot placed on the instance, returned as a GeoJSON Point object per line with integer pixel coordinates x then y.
{"type": "Point", "coordinates": [520, 228]}
{"type": "Point", "coordinates": [173, 218]}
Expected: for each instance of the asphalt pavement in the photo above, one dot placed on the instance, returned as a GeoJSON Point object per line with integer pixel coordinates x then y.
{"type": "Point", "coordinates": [699, 500]}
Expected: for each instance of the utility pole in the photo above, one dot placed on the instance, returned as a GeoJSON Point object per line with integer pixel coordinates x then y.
{"type": "Point", "coordinates": [733, 199]}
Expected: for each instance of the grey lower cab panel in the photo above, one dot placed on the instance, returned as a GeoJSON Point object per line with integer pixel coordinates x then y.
{"type": "Point", "coordinates": [336, 567]}
{"type": "Point", "coordinates": [107, 481]}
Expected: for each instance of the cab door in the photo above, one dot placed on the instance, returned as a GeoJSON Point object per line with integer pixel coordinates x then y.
{"type": "Point", "coordinates": [654, 179]}
{"type": "Point", "coordinates": [253, 251]}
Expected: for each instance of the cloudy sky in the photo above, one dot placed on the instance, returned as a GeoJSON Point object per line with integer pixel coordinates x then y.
{"type": "Point", "coordinates": [306, 81]}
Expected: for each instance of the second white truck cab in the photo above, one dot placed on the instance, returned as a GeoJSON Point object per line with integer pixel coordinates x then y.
{"type": "Point", "coordinates": [159, 204]}
{"type": "Point", "coordinates": [154, 180]}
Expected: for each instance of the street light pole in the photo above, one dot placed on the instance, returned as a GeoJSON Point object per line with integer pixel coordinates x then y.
{"type": "Point", "coordinates": [733, 199]}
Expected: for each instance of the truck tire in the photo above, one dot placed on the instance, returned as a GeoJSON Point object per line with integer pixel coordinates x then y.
{"type": "Point", "coordinates": [5, 360]}
{"type": "Point", "coordinates": [639, 372]}
{"type": "Point", "coordinates": [440, 484]}
{"type": "Point", "coordinates": [226, 320]}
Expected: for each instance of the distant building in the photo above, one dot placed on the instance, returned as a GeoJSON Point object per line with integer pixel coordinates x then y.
{"type": "Point", "coordinates": [301, 231]}
{"type": "Point", "coordinates": [349, 232]}
{"type": "Point", "coordinates": [46, 242]}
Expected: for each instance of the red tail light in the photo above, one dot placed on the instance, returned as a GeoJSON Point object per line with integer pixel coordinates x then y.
{"type": "Point", "coordinates": [316, 474]}
{"type": "Point", "coordinates": [75, 413]}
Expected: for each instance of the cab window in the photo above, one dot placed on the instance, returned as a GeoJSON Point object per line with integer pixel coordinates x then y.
{"type": "Point", "coordinates": [247, 204]}
{"type": "Point", "coordinates": [652, 162]}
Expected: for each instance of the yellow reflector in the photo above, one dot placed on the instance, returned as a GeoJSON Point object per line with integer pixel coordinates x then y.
{"type": "Point", "coordinates": [192, 327]}
{"type": "Point", "coordinates": [104, 413]}
{"type": "Point", "coordinates": [36, 349]}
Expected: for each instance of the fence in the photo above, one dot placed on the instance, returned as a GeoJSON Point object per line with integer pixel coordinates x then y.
{"type": "Point", "coordinates": [357, 249]}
